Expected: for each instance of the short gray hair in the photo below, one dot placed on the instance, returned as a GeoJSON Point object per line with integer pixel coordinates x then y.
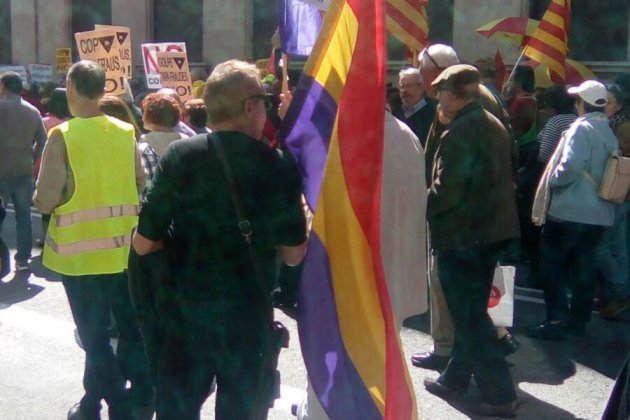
{"type": "Point", "coordinates": [229, 84]}
{"type": "Point", "coordinates": [409, 71]}
{"type": "Point", "coordinates": [438, 55]}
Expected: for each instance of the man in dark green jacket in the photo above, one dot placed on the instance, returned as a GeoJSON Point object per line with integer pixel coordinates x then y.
{"type": "Point", "coordinates": [471, 212]}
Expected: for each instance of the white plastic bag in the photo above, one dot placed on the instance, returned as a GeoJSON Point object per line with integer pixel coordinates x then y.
{"type": "Point", "coordinates": [501, 300]}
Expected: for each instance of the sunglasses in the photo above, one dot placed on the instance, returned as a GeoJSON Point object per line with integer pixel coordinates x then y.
{"type": "Point", "coordinates": [437, 66]}
{"type": "Point", "coordinates": [267, 99]}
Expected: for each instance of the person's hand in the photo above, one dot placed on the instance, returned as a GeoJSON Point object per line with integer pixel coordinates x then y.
{"type": "Point", "coordinates": [285, 101]}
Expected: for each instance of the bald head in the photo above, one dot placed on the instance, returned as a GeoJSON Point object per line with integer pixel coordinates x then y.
{"type": "Point", "coordinates": [432, 60]}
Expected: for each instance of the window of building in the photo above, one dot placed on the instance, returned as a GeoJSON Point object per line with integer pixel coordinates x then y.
{"type": "Point", "coordinates": [598, 30]}
{"type": "Point", "coordinates": [180, 20]}
{"type": "Point", "coordinates": [264, 23]}
{"type": "Point", "coordinates": [87, 13]}
{"type": "Point", "coordinates": [5, 33]}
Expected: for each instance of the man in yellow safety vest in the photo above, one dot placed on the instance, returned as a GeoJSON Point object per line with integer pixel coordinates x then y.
{"type": "Point", "coordinates": [89, 182]}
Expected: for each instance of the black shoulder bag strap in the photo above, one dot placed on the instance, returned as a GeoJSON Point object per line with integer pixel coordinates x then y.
{"type": "Point", "coordinates": [244, 225]}
{"type": "Point", "coordinates": [269, 386]}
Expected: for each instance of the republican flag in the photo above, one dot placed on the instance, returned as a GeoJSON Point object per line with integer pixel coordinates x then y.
{"type": "Point", "coordinates": [549, 42]}
{"type": "Point", "coordinates": [299, 23]}
{"type": "Point", "coordinates": [334, 127]}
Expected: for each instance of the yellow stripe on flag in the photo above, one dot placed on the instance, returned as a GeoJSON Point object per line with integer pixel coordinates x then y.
{"type": "Point", "coordinates": [358, 304]}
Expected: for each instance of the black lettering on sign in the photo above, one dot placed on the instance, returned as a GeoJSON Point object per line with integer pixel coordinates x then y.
{"type": "Point", "coordinates": [109, 63]}
{"type": "Point", "coordinates": [88, 46]}
{"type": "Point", "coordinates": [112, 85]}
{"type": "Point", "coordinates": [164, 62]}
{"type": "Point", "coordinates": [183, 90]}
{"type": "Point", "coordinates": [107, 42]}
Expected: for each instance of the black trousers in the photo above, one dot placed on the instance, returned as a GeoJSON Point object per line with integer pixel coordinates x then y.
{"type": "Point", "coordinates": [567, 251]}
{"type": "Point", "coordinates": [92, 298]}
{"type": "Point", "coordinates": [466, 277]}
{"type": "Point", "coordinates": [194, 353]}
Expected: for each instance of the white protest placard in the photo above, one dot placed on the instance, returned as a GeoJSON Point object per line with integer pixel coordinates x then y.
{"type": "Point", "coordinates": [21, 70]}
{"type": "Point", "coordinates": [149, 58]}
{"type": "Point", "coordinates": [101, 46]}
{"type": "Point", "coordinates": [123, 37]}
{"type": "Point", "coordinates": [175, 73]}
{"type": "Point", "coordinates": [40, 73]}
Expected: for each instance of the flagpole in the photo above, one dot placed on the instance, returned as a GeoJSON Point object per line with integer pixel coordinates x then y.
{"type": "Point", "coordinates": [285, 73]}
{"type": "Point", "coordinates": [520, 58]}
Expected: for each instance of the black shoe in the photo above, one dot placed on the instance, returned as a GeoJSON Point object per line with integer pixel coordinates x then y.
{"type": "Point", "coordinates": [509, 344]}
{"type": "Point", "coordinates": [430, 360]}
{"type": "Point", "coordinates": [435, 387]}
{"type": "Point", "coordinates": [507, 410]}
{"type": "Point", "coordinates": [548, 331]}
{"type": "Point", "coordinates": [75, 413]}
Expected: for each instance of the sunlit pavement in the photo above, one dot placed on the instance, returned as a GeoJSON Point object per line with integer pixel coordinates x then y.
{"type": "Point", "coordinates": [41, 365]}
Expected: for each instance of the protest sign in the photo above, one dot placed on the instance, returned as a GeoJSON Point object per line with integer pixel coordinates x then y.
{"type": "Point", "coordinates": [63, 58]}
{"type": "Point", "coordinates": [21, 70]}
{"type": "Point", "coordinates": [40, 73]}
{"type": "Point", "coordinates": [175, 74]}
{"type": "Point", "coordinates": [101, 46]}
{"type": "Point", "coordinates": [149, 58]}
{"type": "Point", "coordinates": [123, 37]}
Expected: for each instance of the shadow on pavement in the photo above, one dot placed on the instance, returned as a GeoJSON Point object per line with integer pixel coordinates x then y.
{"type": "Point", "coordinates": [18, 289]}
{"type": "Point", "coordinates": [39, 270]}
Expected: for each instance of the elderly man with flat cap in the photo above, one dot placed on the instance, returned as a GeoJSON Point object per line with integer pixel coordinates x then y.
{"type": "Point", "coordinates": [471, 212]}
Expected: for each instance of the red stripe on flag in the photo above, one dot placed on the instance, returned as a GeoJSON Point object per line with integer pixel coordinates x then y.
{"type": "Point", "coordinates": [362, 157]}
{"type": "Point", "coordinates": [547, 50]}
{"type": "Point", "coordinates": [557, 9]}
{"type": "Point", "coordinates": [552, 30]}
{"type": "Point", "coordinates": [408, 25]}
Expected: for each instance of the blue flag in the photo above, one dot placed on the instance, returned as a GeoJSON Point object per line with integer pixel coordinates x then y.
{"type": "Point", "coordinates": [299, 24]}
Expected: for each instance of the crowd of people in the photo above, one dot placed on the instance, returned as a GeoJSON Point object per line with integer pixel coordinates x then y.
{"type": "Point", "coordinates": [168, 216]}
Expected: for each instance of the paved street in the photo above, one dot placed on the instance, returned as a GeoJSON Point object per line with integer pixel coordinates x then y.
{"type": "Point", "coordinates": [41, 365]}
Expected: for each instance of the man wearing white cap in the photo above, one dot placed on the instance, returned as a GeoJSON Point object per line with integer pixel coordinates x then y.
{"type": "Point", "coordinates": [576, 217]}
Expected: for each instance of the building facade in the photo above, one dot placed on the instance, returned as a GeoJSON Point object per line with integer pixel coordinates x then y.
{"type": "Point", "coordinates": [215, 30]}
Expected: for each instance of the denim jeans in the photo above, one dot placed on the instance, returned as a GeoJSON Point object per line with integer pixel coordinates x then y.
{"type": "Point", "coordinates": [566, 258]}
{"type": "Point", "coordinates": [612, 255]}
{"type": "Point", "coordinates": [19, 191]}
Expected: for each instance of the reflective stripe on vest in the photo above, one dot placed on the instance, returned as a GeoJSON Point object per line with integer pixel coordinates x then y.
{"type": "Point", "coordinates": [90, 245]}
{"type": "Point", "coordinates": [95, 214]}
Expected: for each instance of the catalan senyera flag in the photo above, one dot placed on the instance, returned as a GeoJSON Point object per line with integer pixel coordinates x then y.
{"type": "Point", "coordinates": [549, 42]}
{"type": "Point", "coordinates": [334, 127]}
{"type": "Point", "coordinates": [407, 20]}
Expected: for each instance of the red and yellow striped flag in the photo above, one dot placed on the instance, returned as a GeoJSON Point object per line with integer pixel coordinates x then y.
{"type": "Point", "coordinates": [407, 20]}
{"type": "Point", "coordinates": [549, 42]}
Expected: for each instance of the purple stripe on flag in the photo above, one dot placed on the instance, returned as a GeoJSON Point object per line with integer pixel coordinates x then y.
{"type": "Point", "coordinates": [332, 374]}
{"type": "Point", "coordinates": [306, 131]}
{"type": "Point", "coordinates": [299, 24]}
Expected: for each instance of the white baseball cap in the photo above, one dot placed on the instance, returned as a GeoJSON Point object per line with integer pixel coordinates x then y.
{"type": "Point", "coordinates": [592, 92]}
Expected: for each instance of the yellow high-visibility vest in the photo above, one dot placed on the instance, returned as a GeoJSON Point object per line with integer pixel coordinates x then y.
{"type": "Point", "coordinates": [91, 233]}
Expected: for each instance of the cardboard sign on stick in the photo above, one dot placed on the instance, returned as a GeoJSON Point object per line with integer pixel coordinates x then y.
{"type": "Point", "coordinates": [175, 74]}
{"type": "Point", "coordinates": [63, 58]}
{"type": "Point", "coordinates": [149, 59]}
{"type": "Point", "coordinates": [123, 37]}
{"type": "Point", "coordinates": [101, 46]}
